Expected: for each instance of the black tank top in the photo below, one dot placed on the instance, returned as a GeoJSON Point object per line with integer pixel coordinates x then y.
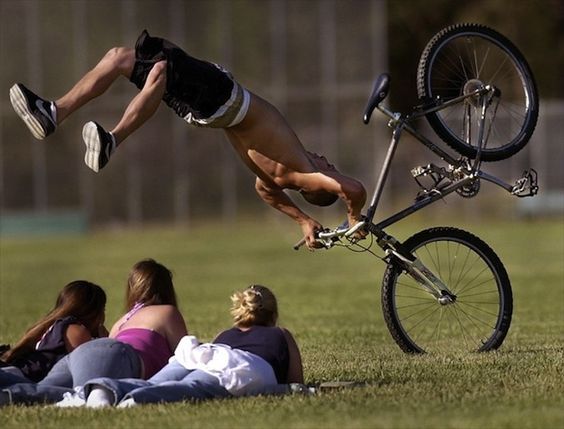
{"type": "Point", "coordinates": [267, 342]}
{"type": "Point", "coordinates": [49, 350]}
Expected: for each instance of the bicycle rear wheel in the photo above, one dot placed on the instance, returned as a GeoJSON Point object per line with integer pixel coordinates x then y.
{"type": "Point", "coordinates": [458, 60]}
{"type": "Point", "coordinates": [480, 316]}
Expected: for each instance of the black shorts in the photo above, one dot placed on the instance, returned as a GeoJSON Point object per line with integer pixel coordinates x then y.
{"type": "Point", "coordinates": [200, 92]}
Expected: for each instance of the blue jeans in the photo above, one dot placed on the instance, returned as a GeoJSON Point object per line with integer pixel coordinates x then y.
{"type": "Point", "coordinates": [173, 383]}
{"type": "Point", "coordinates": [102, 357]}
{"type": "Point", "coordinates": [8, 378]}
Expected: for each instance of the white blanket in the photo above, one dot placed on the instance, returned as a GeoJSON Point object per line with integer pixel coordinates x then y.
{"type": "Point", "coordinates": [238, 371]}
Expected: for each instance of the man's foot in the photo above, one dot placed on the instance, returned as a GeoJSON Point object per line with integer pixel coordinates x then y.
{"type": "Point", "coordinates": [100, 144]}
{"type": "Point", "coordinates": [34, 111]}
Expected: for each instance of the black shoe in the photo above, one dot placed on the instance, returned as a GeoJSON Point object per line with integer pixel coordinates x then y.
{"type": "Point", "coordinates": [34, 111]}
{"type": "Point", "coordinates": [100, 144]}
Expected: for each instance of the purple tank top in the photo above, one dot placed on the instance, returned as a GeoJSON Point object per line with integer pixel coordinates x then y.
{"type": "Point", "coordinates": [152, 347]}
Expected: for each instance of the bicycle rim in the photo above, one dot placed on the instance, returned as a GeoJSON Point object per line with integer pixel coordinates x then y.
{"type": "Point", "coordinates": [461, 59]}
{"type": "Point", "coordinates": [479, 318]}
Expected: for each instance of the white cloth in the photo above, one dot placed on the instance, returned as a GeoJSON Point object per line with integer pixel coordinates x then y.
{"type": "Point", "coordinates": [72, 399]}
{"type": "Point", "coordinates": [238, 371]}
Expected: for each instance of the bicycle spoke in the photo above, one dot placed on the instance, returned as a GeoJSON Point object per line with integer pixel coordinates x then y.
{"type": "Point", "coordinates": [480, 293]}
{"type": "Point", "coordinates": [473, 319]}
{"type": "Point", "coordinates": [463, 329]}
{"type": "Point", "coordinates": [467, 289]}
{"type": "Point", "coordinates": [473, 279]}
{"type": "Point", "coordinates": [480, 309]}
{"type": "Point", "coordinates": [481, 68]}
{"type": "Point", "coordinates": [411, 315]}
{"type": "Point", "coordinates": [412, 328]}
{"type": "Point", "coordinates": [413, 286]}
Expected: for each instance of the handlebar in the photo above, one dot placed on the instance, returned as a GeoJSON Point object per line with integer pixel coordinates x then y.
{"type": "Point", "coordinates": [328, 238]}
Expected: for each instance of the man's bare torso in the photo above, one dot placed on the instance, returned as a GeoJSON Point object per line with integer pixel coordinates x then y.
{"type": "Point", "coordinates": [268, 146]}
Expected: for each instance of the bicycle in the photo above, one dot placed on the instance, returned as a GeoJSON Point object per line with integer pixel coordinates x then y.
{"type": "Point", "coordinates": [444, 289]}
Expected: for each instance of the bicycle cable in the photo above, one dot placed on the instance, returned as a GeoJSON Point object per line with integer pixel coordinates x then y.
{"type": "Point", "coordinates": [362, 248]}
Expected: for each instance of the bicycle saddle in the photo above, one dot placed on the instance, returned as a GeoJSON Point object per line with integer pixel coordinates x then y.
{"type": "Point", "coordinates": [379, 93]}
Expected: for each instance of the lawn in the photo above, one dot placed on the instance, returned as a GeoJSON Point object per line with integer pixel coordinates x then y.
{"type": "Point", "coordinates": [330, 300]}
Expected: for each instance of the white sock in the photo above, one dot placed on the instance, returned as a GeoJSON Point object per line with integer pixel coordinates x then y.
{"type": "Point", "coordinates": [100, 397]}
{"type": "Point", "coordinates": [127, 403]}
{"type": "Point", "coordinates": [54, 111]}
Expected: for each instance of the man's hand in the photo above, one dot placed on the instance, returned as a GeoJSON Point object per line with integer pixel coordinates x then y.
{"type": "Point", "coordinates": [361, 232]}
{"type": "Point", "coordinates": [309, 228]}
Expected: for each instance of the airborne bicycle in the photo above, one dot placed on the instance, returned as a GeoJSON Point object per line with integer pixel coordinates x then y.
{"type": "Point", "coordinates": [444, 289]}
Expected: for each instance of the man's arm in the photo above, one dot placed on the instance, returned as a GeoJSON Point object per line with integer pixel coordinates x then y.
{"type": "Point", "coordinates": [277, 198]}
{"type": "Point", "coordinates": [350, 190]}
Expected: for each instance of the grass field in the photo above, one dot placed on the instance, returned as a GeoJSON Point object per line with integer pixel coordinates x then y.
{"type": "Point", "coordinates": [330, 301]}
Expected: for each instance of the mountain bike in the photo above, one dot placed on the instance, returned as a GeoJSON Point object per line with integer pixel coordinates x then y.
{"type": "Point", "coordinates": [444, 289]}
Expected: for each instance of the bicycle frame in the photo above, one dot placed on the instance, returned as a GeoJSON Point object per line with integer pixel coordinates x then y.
{"type": "Point", "coordinates": [469, 172]}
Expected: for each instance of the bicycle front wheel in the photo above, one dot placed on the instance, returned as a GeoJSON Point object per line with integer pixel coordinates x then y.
{"type": "Point", "coordinates": [462, 58]}
{"type": "Point", "coordinates": [479, 317]}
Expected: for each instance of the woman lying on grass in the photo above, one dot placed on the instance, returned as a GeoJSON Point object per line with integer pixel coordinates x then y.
{"type": "Point", "coordinates": [253, 357]}
{"type": "Point", "coordinates": [139, 345]}
{"type": "Point", "coordinates": [77, 317]}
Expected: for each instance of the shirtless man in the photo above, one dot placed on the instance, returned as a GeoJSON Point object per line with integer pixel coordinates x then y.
{"type": "Point", "coordinates": [203, 94]}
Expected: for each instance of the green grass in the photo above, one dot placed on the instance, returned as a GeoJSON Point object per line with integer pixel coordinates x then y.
{"type": "Point", "coordinates": [330, 301]}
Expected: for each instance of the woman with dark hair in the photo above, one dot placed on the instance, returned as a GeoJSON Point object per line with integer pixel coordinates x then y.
{"type": "Point", "coordinates": [139, 345]}
{"type": "Point", "coordinates": [77, 317]}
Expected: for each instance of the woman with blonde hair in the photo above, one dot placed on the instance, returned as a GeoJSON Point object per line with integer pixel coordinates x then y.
{"type": "Point", "coordinates": [140, 343]}
{"type": "Point", "coordinates": [77, 317]}
{"type": "Point", "coordinates": [255, 356]}
{"type": "Point", "coordinates": [255, 314]}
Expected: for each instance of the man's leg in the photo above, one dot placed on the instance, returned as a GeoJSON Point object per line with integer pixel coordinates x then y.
{"type": "Point", "coordinates": [100, 144]}
{"type": "Point", "coordinates": [43, 116]}
{"type": "Point", "coordinates": [144, 105]}
{"type": "Point", "coordinates": [117, 62]}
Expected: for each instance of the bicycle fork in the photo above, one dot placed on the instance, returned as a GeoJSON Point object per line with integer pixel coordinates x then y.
{"type": "Point", "coordinates": [427, 279]}
{"type": "Point", "coordinates": [413, 266]}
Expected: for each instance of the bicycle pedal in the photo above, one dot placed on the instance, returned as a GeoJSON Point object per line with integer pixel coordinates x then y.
{"type": "Point", "coordinates": [527, 185]}
{"type": "Point", "coordinates": [419, 171]}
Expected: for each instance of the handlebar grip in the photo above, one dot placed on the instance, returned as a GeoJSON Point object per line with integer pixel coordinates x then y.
{"type": "Point", "coordinates": [299, 244]}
